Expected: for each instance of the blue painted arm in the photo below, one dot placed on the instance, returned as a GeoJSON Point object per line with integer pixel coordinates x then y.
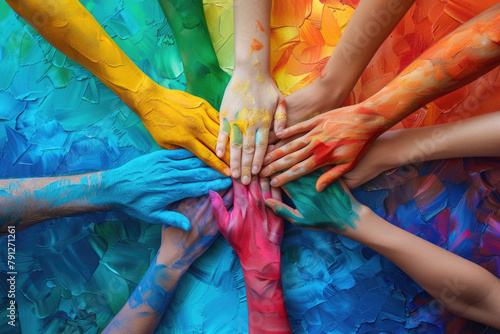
{"type": "Point", "coordinates": [140, 188]}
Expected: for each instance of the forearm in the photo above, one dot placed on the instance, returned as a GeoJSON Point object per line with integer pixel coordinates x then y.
{"type": "Point", "coordinates": [473, 137]}
{"type": "Point", "coordinates": [456, 60]}
{"type": "Point", "coordinates": [463, 287]}
{"type": "Point", "coordinates": [144, 309]}
{"type": "Point", "coordinates": [251, 30]}
{"type": "Point", "coordinates": [25, 202]}
{"type": "Point", "coordinates": [266, 306]}
{"type": "Point", "coordinates": [371, 23]}
{"type": "Point", "coordinates": [70, 28]}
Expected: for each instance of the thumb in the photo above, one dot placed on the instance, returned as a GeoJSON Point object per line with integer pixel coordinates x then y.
{"type": "Point", "coordinates": [172, 218]}
{"type": "Point", "coordinates": [332, 175]}
{"type": "Point", "coordinates": [284, 211]}
{"type": "Point", "coordinates": [280, 116]}
{"type": "Point", "coordinates": [219, 210]}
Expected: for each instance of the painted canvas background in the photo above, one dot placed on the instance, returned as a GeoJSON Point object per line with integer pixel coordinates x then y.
{"type": "Point", "coordinates": [75, 273]}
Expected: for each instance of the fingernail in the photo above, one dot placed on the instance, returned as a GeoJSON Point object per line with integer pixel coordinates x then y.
{"type": "Point", "coordinates": [265, 171]}
{"type": "Point", "coordinates": [227, 171]}
{"type": "Point", "coordinates": [322, 187]}
{"type": "Point", "coordinates": [274, 182]}
{"type": "Point", "coordinates": [220, 153]}
{"type": "Point", "coordinates": [236, 173]}
{"type": "Point", "coordinates": [255, 170]}
{"type": "Point", "coordinates": [245, 179]}
{"type": "Point", "coordinates": [267, 159]}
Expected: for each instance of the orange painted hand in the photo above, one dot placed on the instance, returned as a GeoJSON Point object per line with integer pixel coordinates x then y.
{"type": "Point", "coordinates": [339, 137]}
{"type": "Point", "coordinates": [249, 107]}
{"type": "Point", "coordinates": [177, 118]}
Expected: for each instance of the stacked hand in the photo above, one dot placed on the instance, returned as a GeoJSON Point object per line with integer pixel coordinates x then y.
{"type": "Point", "coordinates": [178, 118]}
{"type": "Point", "coordinates": [145, 186]}
{"type": "Point", "coordinates": [249, 108]}
{"type": "Point", "coordinates": [339, 137]}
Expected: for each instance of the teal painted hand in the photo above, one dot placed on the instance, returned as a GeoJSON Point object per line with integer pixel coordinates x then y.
{"type": "Point", "coordinates": [333, 209]}
{"type": "Point", "coordinates": [145, 186]}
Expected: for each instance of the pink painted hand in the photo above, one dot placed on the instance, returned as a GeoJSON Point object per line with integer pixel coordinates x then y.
{"type": "Point", "coordinates": [255, 233]}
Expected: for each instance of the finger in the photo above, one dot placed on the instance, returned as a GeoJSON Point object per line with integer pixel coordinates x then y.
{"type": "Point", "coordinates": [299, 170]}
{"type": "Point", "coordinates": [213, 114]}
{"type": "Point", "coordinates": [265, 187]}
{"type": "Point", "coordinates": [223, 136]}
{"type": "Point", "coordinates": [208, 157]}
{"type": "Point", "coordinates": [219, 209]}
{"type": "Point", "coordinates": [291, 147]}
{"type": "Point", "coordinates": [172, 218]}
{"type": "Point", "coordinates": [280, 117]}
{"type": "Point", "coordinates": [297, 128]}
{"type": "Point", "coordinates": [236, 139]}
{"type": "Point", "coordinates": [240, 190]}
{"type": "Point", "coordinates": [332, 175]}
{"type": "Point", "coordinates": [212, 127]}
{"type": "Point", "coordinates": [287, 161]}
{"type": "Point", "coordinates": [273, 139]}
{"type": "Point", "coordinates": [276, 193]}
{"type": "Point", "coordinates": [197, 175]}
{"type": "Point", "coordinates": [283, 210]}
{"type": "Point", "coordinates": [247, 156]}
{"type": "Point", "coordinates": [196, 189]}
{"type": "Point", "coordinates": [260, 151]}
{"type": "Point", "coordinates": [179, 154]}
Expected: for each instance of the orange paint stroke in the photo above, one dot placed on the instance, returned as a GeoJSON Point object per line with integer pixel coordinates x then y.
{"type": "Point", "coordinates": [260, 26]}
{"type": "Point", "coordinates": [255, 46]}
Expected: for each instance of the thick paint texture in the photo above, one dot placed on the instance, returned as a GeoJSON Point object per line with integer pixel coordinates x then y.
{"type": "Point", "coordinates": [331, 209]}
{"type": "Point", "coordinates": [52, 106]}
{"type": "Point", "coordinates": [255, 233]}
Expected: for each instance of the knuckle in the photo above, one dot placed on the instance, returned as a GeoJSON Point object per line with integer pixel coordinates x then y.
{"type": "Point", "coordinates": [248, 150]}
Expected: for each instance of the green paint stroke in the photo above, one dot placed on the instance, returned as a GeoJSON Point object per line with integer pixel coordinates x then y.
{"type": "Point", "coordinates": [225, 125]}
{"type": "Point", "coordinates": [331, 209]}
{"type": "Point", "coordinates": [236, 135]}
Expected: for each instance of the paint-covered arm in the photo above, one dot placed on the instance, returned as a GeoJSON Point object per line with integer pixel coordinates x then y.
{"type": "Point", "coordinates": [140, 188]}
{"type": "Point", "coordinates": [179, 249]}
{"type": "Point", "coordinates": [172, 117]}
{"type": "Point", "coordinates": [370, 25]}
{"type": "Point", "coordinates": [473, 137]}
{"type": "Point", "coordinates": [463, 287]}
{"type": "Point", "coordinates": [204, 77]}
{"type": "Point", "coordinates": [252, 101]}
{"type": "Point", "coordinates": [255, 233]}
{"type": "Point", "coordinates": [341, 137]}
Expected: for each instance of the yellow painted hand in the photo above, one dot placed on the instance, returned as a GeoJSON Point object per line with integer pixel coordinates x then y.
{"type": "Point", "coordinates": [177, 118]}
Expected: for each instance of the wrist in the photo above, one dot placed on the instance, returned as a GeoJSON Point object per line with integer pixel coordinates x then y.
{"type": "Point", "coordinates": [109, 187]}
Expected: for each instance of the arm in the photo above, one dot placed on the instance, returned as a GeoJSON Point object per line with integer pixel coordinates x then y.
{"type": "Point", "coordinates": [179, 249]}
{"type": "Point", "coordinates": [204, 77]}
{"type": "Point", "coordinates": [255, 233]}
{"type": "Point", "coordinates": [172, 117]}
{"type": "Point", "coordinates": [370, 25]}
{"type": "Point", "coordinates": [341, 137]}
{"type": "Point", "coordinates": [463, 287]}
{"type": "Point", "coordinates": [251, 100]}
{"type": "Point", "coordinates": [140, 188]}
{"type": "Point", "coordinates": [473, 137]}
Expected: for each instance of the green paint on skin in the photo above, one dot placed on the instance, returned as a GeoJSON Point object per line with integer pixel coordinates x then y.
{"type": "Point", "coordinates": [237, 116]}
{"type": "Point", "coordinates": [225, 125]}
{"type": "Point", "coordinates": [331, 209]}
{"type": "Point", "coordinates": [236, 135]}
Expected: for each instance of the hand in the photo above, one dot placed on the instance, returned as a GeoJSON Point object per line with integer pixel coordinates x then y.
{"type": "Point", "coordinates": [251, 229]}
{"type": "Point", "coordinates": [334, 209]}
{"type": "Point", "coordinates": [255, 233]}
{"type": "Point", "coordinates": [202, 234]}
{"type": "Point", "coordinates": [247, 112]}
{"type": "Point", "coordinates": [339, 137]}
{"type": "Point", "coordinates": [177, 118]}
{"type": "Point", "coordinates": [144, 186]}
